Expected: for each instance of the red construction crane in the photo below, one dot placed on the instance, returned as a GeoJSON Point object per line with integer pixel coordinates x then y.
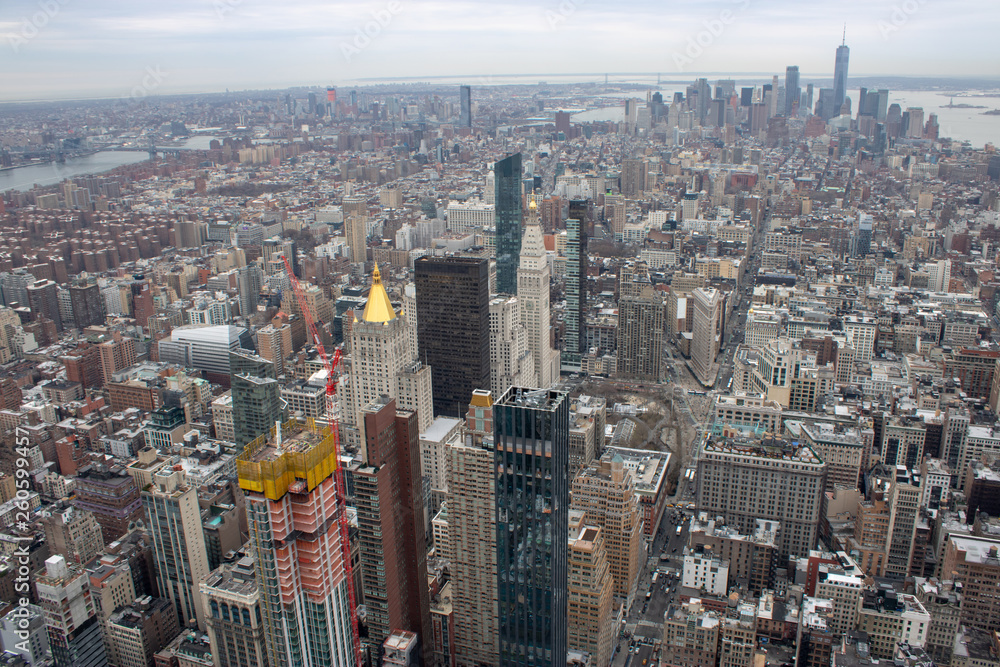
{"type": "Point", "coordinates": [341, 511]}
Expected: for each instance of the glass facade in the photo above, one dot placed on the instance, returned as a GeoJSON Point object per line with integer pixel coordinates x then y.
{"type": "Point", "coordinates": [531, 430]}
{"type": "Point", "coordinates": [576, 285]}
{"type": "Point", "coordinates": [453, 327]}
{"type": "Point", "coordinates": [507, 179]}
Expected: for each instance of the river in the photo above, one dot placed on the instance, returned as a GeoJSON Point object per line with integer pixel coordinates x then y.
{"type": "Point", "coordinates": [51, 173]}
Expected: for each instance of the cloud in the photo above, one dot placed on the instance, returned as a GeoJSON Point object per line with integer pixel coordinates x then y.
{"type": "Point", "coordinates": [98, 47]}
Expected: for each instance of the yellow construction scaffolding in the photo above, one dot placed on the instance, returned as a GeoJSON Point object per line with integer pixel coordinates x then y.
{"type": "Point", "coordinates": [310, 459]}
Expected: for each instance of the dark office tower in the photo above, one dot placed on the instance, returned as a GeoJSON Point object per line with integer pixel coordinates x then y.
{"type": "Point", "coordinates": [840, 77]}
{"type": "Point", "coordinates": [390, 502]}
{"type": "Point", "coordinates": [531, 432]}
{"type": "Point", "coordinates": [863, 101]}
{"type": "Point", "coordinates": [507, 176]}
{"type": "Point", "coordinates": [809, 97]}
{"type": "Point", "coordinates": [465, 103]}
{"type": "Point", "coordinates": [746, 97]}
{"type": "Point", "coordinates": [453, 328]}
{"type": "Point", "coordinates": [576, 285]}
{"type": "Point", "coordinates": [87, 304]}
{"type": "Point", "coordinates": [44, 301]}
{"type": "Point", "coordinates": [792, 90]}
{"type": "Point", "coordinates": [312, 102]}
{"type": "Point", "coordinates": [257, 402]}
{"type": "Point", "coordinates": [993, 168]}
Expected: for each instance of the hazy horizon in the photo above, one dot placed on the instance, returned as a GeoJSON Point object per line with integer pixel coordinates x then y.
{"type": "Point", "coordinates": [64, 49]}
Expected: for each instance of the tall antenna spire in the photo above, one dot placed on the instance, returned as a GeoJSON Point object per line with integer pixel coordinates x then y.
{"type": "Point", "coordinates": [844, 41]}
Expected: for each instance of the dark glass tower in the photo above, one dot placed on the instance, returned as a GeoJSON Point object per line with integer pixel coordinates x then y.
{"type": "Point", "coordinates": [453, 328]}
{"type": "Point", "coordinates": [465, 106]}
{"type": "Point", "coordinates": [531, 432]}
{"type": "Point", "coordinates": [840, 77]}
{"type": "Point", "coordinates": [793, 92]}
{"type": "Point", "coordinates": [507, 177]}
{"type": "Point", "coordinates": [257, 402]}
{"type": "Point", "coordinates": [576, 285]}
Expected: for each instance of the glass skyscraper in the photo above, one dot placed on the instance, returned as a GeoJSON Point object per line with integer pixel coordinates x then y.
{"type": "Point", "coordinates": [840, 77]}
{"type": "Point", "coordinates": [507, 180]}
{"type": "Point", "coordinates": [465, 106]}
{"type": "Point", "coordinates": [531, 433]}
{"type": "Point", "coordinates": [453, 327]}
{"type": "Point", "coordinates": [793, 92]}
{"type": "Point", "coordinates": [576, 285]}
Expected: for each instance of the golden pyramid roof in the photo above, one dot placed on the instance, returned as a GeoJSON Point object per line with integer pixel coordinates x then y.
{"type": "Point", "coordinates": [378, 308]}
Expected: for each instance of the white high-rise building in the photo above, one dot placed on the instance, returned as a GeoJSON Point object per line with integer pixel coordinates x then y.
{"type": "Point", "coordinates": [382, 364]}
{"type": "Point", "coordinates": [861, 334]}
{"type": "Point", "coordinates": [470, 215]}
{"type": "Point", "coordinates": [939, 275]}
{"type": "Point", "coordinates": [511, 363]}
{"type": "Point", "coordinates": [533, 293]}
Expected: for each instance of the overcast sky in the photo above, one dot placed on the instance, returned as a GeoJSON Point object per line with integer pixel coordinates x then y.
{"type": "Point", "coordinates": [106, 48]}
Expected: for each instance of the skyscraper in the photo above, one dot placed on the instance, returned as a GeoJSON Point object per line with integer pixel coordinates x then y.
{"type": "Point", "coordinates": [232, 613]}
{"type": "Point", "coordinates": [576, 285]}
{"type": "Point", "coordinates": [288, 479]}
{"type": "Point", "coordinates": [590, 624]}
{"type": "Point", "coordinates": [257, 402]}
{"type": "Point", "coordinates": [70, 617]}
{"type": "Point", "coordinates": [605, 490]}
{"type": "Point", "coordinates": [641, 311]}
{"type": "Point", "coordinates": [705, 332]}
{"type": "Point", "coordinates": [531, 432]}
{"type": "Point", "coordinates": [510, 359]}
{"type": "Point", "coordinates": [472, 532]}
{"type": "Point", "coordinates": [382, 365]}
{"type": "Point", "coordinates": [840, 77]}
{"type": "Point", "coordinates": [507, 178]}
{"type": "Point", "coordinates": [465, 104]}
{"type": "Point", "coordinates": [88, 306]}
{"type": "Point", "coordinates": [453, 320]}
{"type": "Point", "coordinates": [44, 301]}
{"type": "Point", "coordinates": [174, 519]}
{"type": "Point", "coordinates": [356, 232]}
{"type": "Point", "coordinates": [390, 501]}
{"type": "Point", "coordinates": [792, 90]}
{"type": "Point", "coordinates": [533, 293]}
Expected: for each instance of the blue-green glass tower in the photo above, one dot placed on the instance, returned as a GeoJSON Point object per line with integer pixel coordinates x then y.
{"type": "Point", "coordinates": [531, 434]}
{"type": "Point", "coordinates": [507, 178]}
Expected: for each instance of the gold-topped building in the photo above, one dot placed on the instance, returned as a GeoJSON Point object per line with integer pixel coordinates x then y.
{"type": "Point", "coordinates": [382, 363]}
{"type": "Point", "coordinates": [379, 307]}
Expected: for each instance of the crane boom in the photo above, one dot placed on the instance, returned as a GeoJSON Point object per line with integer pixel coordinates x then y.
{"type": "Point", "coordinates": [331, 366]}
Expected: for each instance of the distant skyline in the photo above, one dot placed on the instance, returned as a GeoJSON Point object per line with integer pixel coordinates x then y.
{"type": "Point", "coordinates": [59, 49]}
